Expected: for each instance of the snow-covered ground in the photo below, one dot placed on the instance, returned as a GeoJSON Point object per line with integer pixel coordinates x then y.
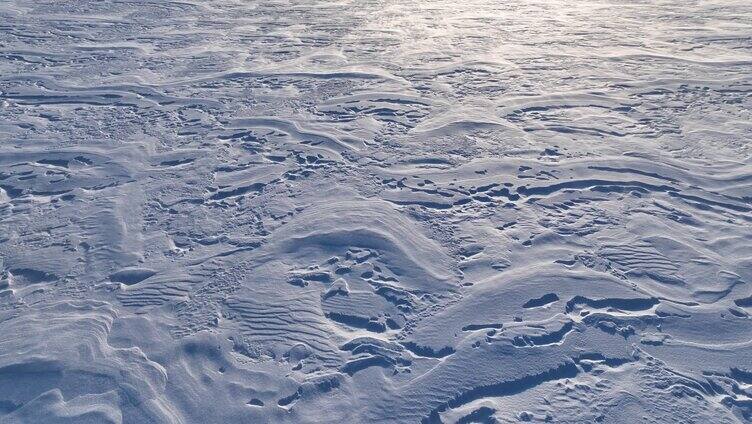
{"type": "Point", "coordinates": [227, 211]}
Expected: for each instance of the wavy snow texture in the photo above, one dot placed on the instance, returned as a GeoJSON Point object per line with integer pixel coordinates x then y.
{"type": "Point", "coordinates": [375, 211]}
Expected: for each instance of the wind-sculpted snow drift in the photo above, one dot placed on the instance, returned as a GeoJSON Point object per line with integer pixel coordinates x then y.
{"type": "Point", "coordinates": [375, 212]}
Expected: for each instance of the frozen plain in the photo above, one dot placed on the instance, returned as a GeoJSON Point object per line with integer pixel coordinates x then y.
{"type": "Point", "coordinates": [375, 211]}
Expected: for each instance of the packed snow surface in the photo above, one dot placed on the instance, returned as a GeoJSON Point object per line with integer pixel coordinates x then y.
{"type": "Point", "coordinates": [358, 211]}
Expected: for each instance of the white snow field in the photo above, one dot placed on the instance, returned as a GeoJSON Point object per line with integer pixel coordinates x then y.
{"type": "Point", "coordinates": [375, 211]}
